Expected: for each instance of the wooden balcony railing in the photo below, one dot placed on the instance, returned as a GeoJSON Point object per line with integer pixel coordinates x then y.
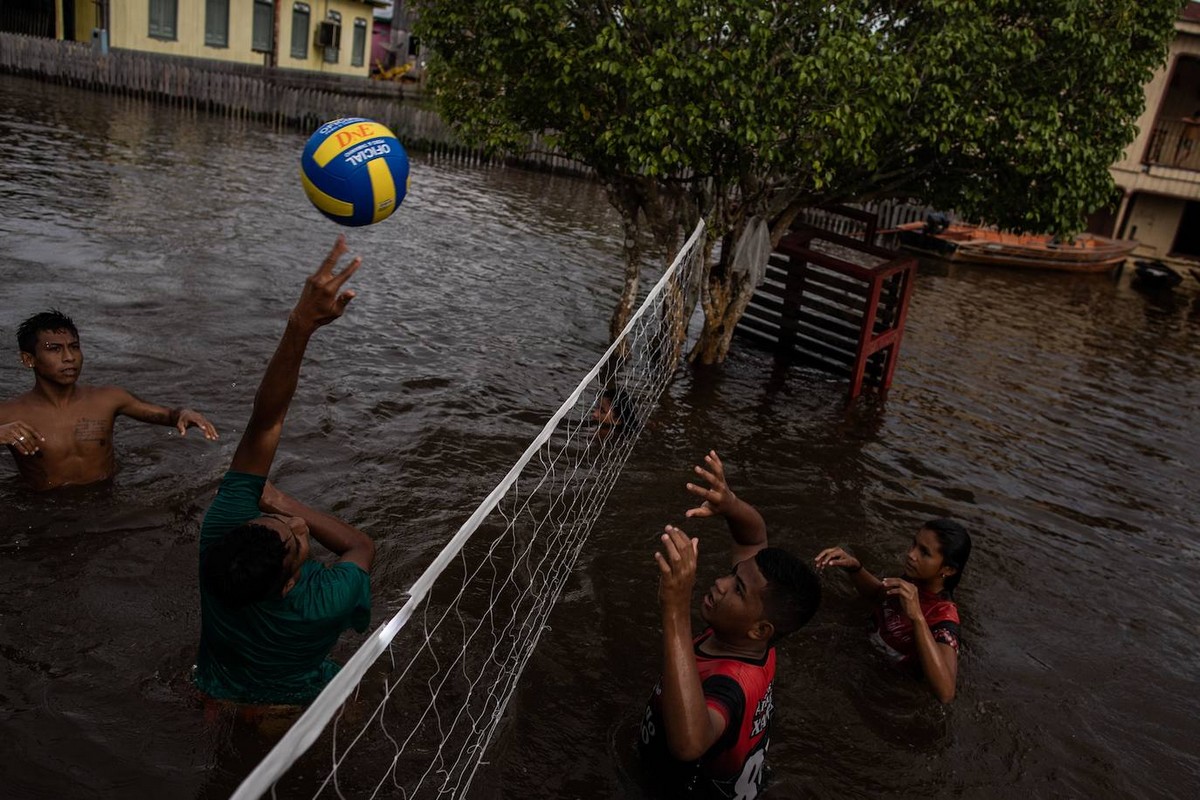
{"type": "Point", "coordinates": [1175, 144]}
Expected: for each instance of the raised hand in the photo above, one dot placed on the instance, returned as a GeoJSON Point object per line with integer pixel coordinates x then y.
{"type": "Point", "coordinates": [718, 498]}
{"type": "Point", "coordinates": [194, 419]}
{"type": "Point", "coordinates": [836, 557]}
{"type": "Point", "coordinates": [323, 300]}
{"type": "Point", "coordinates": [677, 569]}
{"type": "Point", "coordinates": [22, 437]}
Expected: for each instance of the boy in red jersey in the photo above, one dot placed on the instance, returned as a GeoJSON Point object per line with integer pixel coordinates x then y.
{"type": "Point", "coordinates": [705, 731]}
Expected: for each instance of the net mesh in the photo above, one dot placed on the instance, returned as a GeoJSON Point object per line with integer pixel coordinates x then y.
{"type": "Point", "coordinates": [414, 709]}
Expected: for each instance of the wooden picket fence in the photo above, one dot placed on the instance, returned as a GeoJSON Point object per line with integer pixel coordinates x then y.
{"type": "Point", "coordinates": [283, 98]}
{"type": "Point", "coordinates": [886, 216]}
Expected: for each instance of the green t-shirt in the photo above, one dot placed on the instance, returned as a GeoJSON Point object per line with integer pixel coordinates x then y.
{"type": "Point", "coordinates": [274, 651]}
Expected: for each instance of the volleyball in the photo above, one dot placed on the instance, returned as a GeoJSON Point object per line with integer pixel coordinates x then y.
{"type": "Point", "coordinates": [354, 171]}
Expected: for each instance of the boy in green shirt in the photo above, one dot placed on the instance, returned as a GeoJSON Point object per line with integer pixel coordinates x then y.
{"type": "Point", "coordinates": [269, 616]}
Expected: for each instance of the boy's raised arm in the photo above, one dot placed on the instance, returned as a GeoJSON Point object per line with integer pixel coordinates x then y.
{"type": "Point", "coordinates": [746, 525]}
{"type": "Point", "coordinates": [321, 302]}
{"type": "Point", "coordinates": [691, 726]}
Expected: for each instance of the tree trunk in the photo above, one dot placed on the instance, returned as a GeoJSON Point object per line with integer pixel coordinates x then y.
{"type": "Point", "coordinates": [727, 294]}
{"type": "Point", "coordinates": [627, 202]}
{"type": "Point", "coordinates": [727, 299]}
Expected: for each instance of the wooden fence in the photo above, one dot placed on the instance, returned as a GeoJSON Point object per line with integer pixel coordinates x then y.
{"type": "Point", "coordinates": [886, 216]}
{"type": "Point", "coordinates": [283, 98]}
{"type": "Point", "coordinates": [304, 100]}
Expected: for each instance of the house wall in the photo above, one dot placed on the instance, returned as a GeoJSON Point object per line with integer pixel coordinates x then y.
{"type": "Point", "coordinates": [1153, 220]}
{"type": "Point", "coordinates": [318, 11]}
{"type": "Point", "coordinates": [1156, 193]}
{"type": "Point", "coordinates": [1185, 45]}
{"type": "Point", "coordinates": [130, 29]}
{"type": "Point", "coordinates": [85, 14]}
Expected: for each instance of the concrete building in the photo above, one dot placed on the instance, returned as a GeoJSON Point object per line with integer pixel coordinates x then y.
{"type": "Point", "coordinates": [324, 36]}
{"type": "Point", "coordinates": [1160, 174]}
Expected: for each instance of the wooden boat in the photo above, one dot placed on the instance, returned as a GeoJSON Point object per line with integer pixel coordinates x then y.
{"type": "Point", "coordinates": [978, 245]}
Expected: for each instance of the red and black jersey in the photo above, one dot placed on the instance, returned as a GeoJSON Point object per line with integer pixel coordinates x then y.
{"type": "Point", "coordinates": [739, 689]}
{"type": "Point", "coordinates": [893, 629]}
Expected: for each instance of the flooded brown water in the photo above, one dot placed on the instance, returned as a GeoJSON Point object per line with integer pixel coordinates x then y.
{"type": "Point", "coordinates": [1057, 414]}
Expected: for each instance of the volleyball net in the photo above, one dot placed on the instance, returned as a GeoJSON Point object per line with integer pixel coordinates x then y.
{"type": "Point", "coordinates": [414, 709]}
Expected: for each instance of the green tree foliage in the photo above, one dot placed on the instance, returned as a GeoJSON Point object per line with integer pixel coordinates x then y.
{"type": "Point", "coordinates": [1008, 111]}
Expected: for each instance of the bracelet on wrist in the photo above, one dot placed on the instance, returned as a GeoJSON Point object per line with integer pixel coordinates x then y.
{"type": "Point", "coordinates": [852, 570]}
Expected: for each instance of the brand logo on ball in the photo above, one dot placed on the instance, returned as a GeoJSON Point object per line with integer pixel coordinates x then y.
{"type": "Point", "coordinates": [328, 127]}
{"type": "Point", "coordinates": [354, 171]}
{"type": "Point", "coordinates": [360, 131]}
{"type": "Point", "coordinates": [371, 149]}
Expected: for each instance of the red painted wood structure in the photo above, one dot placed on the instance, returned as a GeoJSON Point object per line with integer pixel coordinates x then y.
{"type": "Point", "coordinates": [834, 302]}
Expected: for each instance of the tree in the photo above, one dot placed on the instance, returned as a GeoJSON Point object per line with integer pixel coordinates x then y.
{"type": "Point", "coordinates": [1008, 111]}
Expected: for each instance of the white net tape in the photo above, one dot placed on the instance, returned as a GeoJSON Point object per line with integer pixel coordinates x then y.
{"type": "Point", "coordinates": [422, 717]}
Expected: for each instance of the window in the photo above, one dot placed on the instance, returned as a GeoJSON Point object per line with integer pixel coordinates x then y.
{"type": "Point", "coordinates": [333, 49]}
{"type": "Point", "coordinates": [300, 17]}
{"type": "Point", "coordinates": [262, 35]}
{"type": "Point", "coordinates": [358, 49]}
{"type": "Point", "coordinates": [163, 14]}
{"type": "Point", "coordinates": [216, 23]}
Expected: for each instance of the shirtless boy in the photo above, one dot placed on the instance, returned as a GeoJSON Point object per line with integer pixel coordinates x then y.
{"type": "Point", "coordinates": [60, 431]}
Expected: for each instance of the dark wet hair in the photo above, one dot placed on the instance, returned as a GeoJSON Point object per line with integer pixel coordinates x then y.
{"type": "Point", "coordinates": [52, 320]}
{"type": "Point", "coordinates": [955, 542]}
{"type": "Point", "coordinates": [793, 591]}
{"type": "Point", "coordinates": [621, 405]}
{"type": "Point", "coordinates": [245, 566]}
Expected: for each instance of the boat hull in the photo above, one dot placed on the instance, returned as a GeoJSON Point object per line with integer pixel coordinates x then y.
{"type": "Point", "coordinates": [962, 243]}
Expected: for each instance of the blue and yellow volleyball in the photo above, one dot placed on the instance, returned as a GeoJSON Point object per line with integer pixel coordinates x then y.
{"type": "Point", "coordinates": [354, 171]}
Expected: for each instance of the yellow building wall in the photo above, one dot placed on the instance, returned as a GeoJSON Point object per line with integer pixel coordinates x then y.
{"type": "Point", "coordinates": [87, 18]}
{"type": "Point", "coordinates": [130, 30]}
{"type": "Point", "coordinates": [318, 11]}
{"type": "Point", "coordinates": [85, 15]}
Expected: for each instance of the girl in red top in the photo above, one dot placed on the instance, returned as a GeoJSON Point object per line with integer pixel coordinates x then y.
{"type": "Point", "coordinates": [916, 621]}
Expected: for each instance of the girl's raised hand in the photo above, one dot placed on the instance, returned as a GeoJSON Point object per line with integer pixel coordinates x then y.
{"type": "Point", "coordinates": [836, 557]}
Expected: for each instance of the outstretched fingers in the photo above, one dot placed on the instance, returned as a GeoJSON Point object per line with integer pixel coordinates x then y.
{"type": "Point", "coordinates": [713, 472]}
{"type": "Point", "coordinates": [677, 546]}
{"type": "Point", "coordinates": [343, 276]}
{"type": "Point", "coordinates": [828, 556]}
{"type": "Point", "coordinates": [670, 548]}
{"type": "Point", "coordinates": [339, 249]}
{"type": "Point", "coordinates": [708, 507]}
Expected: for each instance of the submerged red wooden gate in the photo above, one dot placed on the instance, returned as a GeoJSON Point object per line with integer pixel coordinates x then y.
{"type": "Point", "coordinates": [834, 302]}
